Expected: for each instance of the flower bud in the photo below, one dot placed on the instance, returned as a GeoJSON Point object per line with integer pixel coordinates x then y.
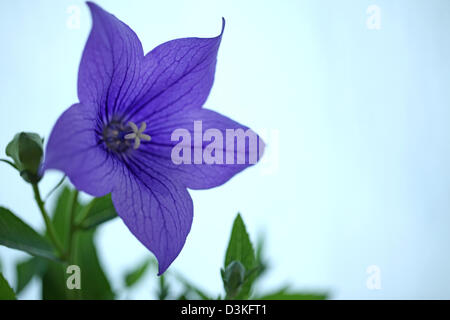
{"type": "Point", "coordinates": [233, 278]}
{"type": "Point", "coordinates": [26, 149]}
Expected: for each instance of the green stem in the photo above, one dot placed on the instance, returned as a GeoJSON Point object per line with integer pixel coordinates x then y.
{"type": "Point", "coordinates": [72, 227]}
{"type": "Point", "coordinates": [75, 294]}
{"type": "Point", "coordinates": [48, 223]}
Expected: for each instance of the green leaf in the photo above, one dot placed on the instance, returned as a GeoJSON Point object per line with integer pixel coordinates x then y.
{"type": "Point", "coordinates": [133, 277]}
{"type": "Point", "coordinates": [163, 288]}
{"type": "Point", "coordinates": [54, 278]}
{"type": "Point", "coordinates": [61, 214]}
{"type": "Point", "coordinates": [6, 293]}
{"type": "Point", "coordinates": [99, 210]}
{"type": "Point", "coordinates": [286, 294]}
{"type": "Point", "coordinates": [94, 283]}
{"type": "Point", "coordinates": [190, 289]}
{"type": "Point", "coordinates": [54, 283]}
{"type": "Point", "coordinates": [16, 234]}
{"type": "Point", "coordinates": [27, 269]}
{"type": "Point", "coordinates": [10, 163]}
{"type": "Point", "coordinates": [241, 249]}
{"type": "Point", "coordinates": [261, 261]}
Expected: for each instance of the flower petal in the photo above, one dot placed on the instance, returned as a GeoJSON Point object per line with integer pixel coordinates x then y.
{"type": "Point", "coordinates": [110, 66]}
{"type": "Point", "coordinates": [73, 148]}
{"type": "Point", "coordinates": [157, 211]}
{"type": "Point", "coordinates": [176, 76]}
{"type": "Point", "coordinates": [158, 152]}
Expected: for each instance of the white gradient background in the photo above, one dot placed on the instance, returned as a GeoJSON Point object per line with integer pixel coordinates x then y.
{"type": "Point", "coordinates": [363, 152]}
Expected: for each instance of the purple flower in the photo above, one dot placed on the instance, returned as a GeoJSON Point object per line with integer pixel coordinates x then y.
{"type": "Point", "coordinates": [119, 138]}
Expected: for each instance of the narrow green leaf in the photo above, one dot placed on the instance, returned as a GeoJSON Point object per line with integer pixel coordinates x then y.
{"type": "Point", "coordinates": [54, 283]}
{"type": "Point", "coordinates": [163, 288]}
{"type": "Point", "coordinates": [27, 269]}
{"type": "Point", "coordinates": [10, 163]}
{"type": "Point", "coordinates": [55, 188]}
{"type": "Point", "coordinates": [100, 210]}
{"type": "Point", "coordinates": [61, 214]}
{"type": "Point", "coordinates": [190, 288]}
{"type": "Point", "coordinates": [6, 293]}
{"type": "Point", "coordinates": [16, 234]}
{"type": "Point", "coordinates": [261, 262]}
{"type": "Point", "coordinates": [182, 296]}
{"type": "Point", "coordinates": [133, 277]}
{"type": "Point", "coordinates": [94, 283]}
{"type": "Point", "coordinates": [241, 249]}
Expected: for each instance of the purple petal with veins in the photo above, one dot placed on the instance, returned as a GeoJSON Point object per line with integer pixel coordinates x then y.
{"type": "Point", "coordinates": [117, 139]}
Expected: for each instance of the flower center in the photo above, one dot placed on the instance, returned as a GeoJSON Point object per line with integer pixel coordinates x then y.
{"type": "Point", "coordinates": [120, 138]}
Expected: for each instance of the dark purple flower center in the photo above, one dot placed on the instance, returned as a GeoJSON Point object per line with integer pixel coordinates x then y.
{"type": "Point", "coordinates": [119, 137]}
{"type": "Point", "coordinates": [114, 137]}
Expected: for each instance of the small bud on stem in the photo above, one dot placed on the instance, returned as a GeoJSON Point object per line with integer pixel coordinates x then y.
{"type": "Point", "coordinates": [26, 149]}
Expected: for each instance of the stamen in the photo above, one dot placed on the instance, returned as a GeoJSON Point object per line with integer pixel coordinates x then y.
{"type": "Point", "coordinates": [137, 135]}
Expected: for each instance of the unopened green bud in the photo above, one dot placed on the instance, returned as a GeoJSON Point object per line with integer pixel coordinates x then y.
{"type": "Point", "coordinates": [26, 149]}
{"type": "Point", "coordinates": [233, 278]}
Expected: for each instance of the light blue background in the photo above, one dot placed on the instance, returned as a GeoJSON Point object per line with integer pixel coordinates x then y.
{"type": "Point", "coordinates": [362, 118]}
